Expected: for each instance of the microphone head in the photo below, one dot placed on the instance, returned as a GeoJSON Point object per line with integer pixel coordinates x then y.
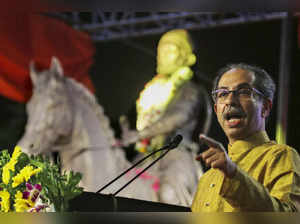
{"type": "Point", "coordinates": [175, 142]}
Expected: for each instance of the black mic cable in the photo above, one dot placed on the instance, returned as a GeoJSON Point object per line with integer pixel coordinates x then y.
{"type": "Point", "coordinates": [173, 144]}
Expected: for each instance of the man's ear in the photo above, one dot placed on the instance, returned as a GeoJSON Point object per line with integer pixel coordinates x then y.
{"type": "Point", "coordinates": [267, 106]}
{"type": "Point", "coordinates": [215, 108]}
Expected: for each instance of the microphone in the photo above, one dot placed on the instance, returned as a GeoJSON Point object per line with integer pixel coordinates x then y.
{"type": "Point", "coordinates": [175, 142]}
{"type": "Point", "coordinates": [172, 145]}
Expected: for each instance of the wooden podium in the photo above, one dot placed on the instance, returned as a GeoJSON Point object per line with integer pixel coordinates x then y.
{"type": "Point", "coordinates": [92, 202]}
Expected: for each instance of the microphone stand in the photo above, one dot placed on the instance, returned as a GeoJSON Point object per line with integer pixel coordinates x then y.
{"type": "Point", "coordinates": [134, 165]}
{"type": "Point", "coordinates": [140, 173]}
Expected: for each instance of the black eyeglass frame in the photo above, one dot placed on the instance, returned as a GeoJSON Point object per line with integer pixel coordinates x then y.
{"type": "Point", "coordinates": [234, 91]}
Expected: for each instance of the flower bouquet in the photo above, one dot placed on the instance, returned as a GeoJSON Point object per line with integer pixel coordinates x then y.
{"type": "Point", "coordinates": [34, 183]}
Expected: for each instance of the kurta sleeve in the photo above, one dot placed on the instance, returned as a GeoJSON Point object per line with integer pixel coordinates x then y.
{"type": "Point", "coordinates": [280, 190]}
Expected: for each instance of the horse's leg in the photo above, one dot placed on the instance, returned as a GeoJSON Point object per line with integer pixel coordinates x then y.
{"type": "Point", "coordinates": [179, 190]}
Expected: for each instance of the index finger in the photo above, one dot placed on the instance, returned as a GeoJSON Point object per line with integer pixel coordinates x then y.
{"type": "Point", "coordinates": [210, 142]}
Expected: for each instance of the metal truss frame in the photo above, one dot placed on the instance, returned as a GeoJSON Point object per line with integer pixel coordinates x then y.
{"type": "Point", "coordinates": [105, 26]}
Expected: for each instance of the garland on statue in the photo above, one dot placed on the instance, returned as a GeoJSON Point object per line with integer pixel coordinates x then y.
{"type": "Point", "coordinates": [154, 100]}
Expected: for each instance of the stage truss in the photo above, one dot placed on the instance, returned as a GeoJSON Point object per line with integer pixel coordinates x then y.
{"type": "Point", "coordinates": [105, 26]}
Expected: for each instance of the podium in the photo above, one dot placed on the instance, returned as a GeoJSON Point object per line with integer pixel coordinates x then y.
{"type": "Point", "coordinates": [93, 202]}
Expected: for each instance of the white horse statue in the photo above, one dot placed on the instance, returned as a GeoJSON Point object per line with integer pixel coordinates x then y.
{"type": "Point", "coordinates": [63, 116]}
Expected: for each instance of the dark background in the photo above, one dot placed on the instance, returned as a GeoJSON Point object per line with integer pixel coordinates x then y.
{"type": "Point", "coordinates": [122, 67]}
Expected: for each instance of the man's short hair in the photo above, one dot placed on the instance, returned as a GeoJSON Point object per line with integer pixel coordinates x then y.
{"type": "Point", "coordinates": [263, 81]}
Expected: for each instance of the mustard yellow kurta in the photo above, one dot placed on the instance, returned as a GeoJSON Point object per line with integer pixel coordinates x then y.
{"type": "Point", "coordinates": [267, 179]}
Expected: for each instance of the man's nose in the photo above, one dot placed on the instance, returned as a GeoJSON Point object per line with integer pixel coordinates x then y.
{"type": "Point", "coordinates": [231, 99]}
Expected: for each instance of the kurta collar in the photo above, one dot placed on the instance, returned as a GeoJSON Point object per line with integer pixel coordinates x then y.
{"type": "Point", "coordinates": [241, 146]}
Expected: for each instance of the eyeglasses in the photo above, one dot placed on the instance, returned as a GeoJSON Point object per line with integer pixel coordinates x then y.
{"type": "Point", "coordinates": [243, 94]}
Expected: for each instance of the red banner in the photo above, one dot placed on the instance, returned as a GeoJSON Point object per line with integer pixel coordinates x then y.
{"type": "Point", "coordinates": [25, 37]}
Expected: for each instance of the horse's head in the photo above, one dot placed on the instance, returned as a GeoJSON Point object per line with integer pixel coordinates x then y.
{"type": "Point", "coordinates": [49, 110]}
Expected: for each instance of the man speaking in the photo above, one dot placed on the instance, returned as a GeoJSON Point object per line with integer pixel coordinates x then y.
{"type": "Point", "coordinates": [256, 174]}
